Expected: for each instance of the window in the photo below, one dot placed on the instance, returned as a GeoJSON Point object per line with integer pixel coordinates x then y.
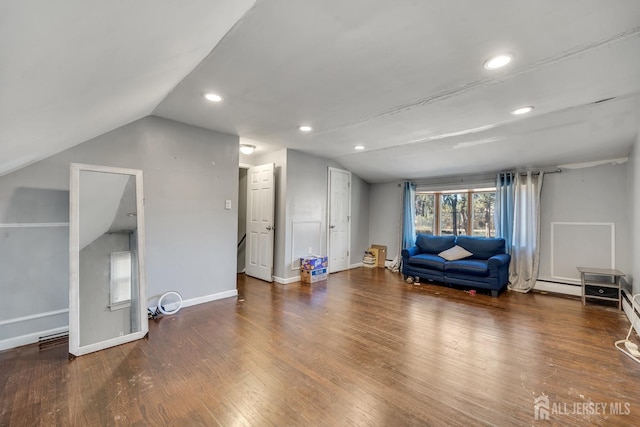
{"type": "Point", "coordinates": [454, 215]}
{"type": "Point", "coordinates": [484, 204]}
{"type": "Point", "coordinates": [461, 212]}
{"type": "Point", "coordinates": [120, 292]}
{"type": "Point", "coordinates": [425, 213]}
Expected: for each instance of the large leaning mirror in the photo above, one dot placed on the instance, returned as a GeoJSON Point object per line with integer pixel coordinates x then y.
{"type": "Point", "coordinates": [106, 258]}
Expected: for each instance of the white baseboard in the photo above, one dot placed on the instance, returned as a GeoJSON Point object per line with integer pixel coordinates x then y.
{"type": "Point", "coordinates": [283, 281]}
{"type": "Point", "coordinates": [209, 298]}
{"type": "Point", "coordinates": [31, 338]}
{"type": "Point", "coordinates": [558, 288]}
{"type": "Point", "coordinates": [294, 279]}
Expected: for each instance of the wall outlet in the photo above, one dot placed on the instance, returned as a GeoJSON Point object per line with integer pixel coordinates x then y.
{"type": "Point", "coordinates": [227, 204]}
{"type": "Point", "coordinates": [310, 250]}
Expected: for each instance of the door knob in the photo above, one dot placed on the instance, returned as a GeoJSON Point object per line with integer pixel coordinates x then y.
{"type": "Point", "coordinates": [269, 228]}
{"type": "Point", "coordinates": [332, 226]}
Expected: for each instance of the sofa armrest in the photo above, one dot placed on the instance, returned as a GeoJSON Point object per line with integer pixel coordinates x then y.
{"type": "Point", "coordinates": [499, 260]}
{"type": "Point", "coordinates": [409, 252]}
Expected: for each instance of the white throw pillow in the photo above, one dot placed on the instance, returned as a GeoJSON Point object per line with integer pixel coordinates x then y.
{"type": "Point", "coordinates": [455, 253]}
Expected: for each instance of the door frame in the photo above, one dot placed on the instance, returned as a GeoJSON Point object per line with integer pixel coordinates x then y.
{"type": "Point", "coordinates": [328, 230]}
{"type": "Point", "coordinates": [270, 227]}
{"type": "Point", "coordinates": [245, 167]}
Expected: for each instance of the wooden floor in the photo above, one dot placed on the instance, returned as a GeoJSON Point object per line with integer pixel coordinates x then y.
{"type": "Point", "coordinates": [363, 348]}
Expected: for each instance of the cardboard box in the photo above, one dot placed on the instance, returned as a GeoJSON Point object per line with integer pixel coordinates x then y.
{"type": "Point", "coordinates": [314, 263]}
{"type": "Point", "coordinates": [381, 254]}
{"type": "Point", "coordinates": [374, 252]}
{"type": "Point", "coordinates": [313, 276]}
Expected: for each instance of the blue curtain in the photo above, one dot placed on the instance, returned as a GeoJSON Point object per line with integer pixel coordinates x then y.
{"type": "Point", "coordinates": [505, 206]}
{"type": "Point", "coordinates": [409, 215]}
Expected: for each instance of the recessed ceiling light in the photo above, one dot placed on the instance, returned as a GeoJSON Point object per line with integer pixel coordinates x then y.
{"type": "Point", "coordinates": [305, 128]}
{"type": "Point", "coordinates": [522, 110]}
{"type": "Point", "coordinates": [497, 61]}
{"type": "Point", "coordinates": [358, 147]}
{"type": "Point", "coordinates": [247, 148]}
{"type": "Point", "coordinates": [213, 97]}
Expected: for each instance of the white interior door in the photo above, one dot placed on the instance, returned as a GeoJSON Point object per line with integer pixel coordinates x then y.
{"type": "Point", "coordinates": [339, 217]}
{"type": "Point", "coordinates": [260, 225]}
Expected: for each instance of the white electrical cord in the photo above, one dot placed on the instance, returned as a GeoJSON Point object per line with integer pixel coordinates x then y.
{"type": "Point", "coordinates": [168, 303]}
{"type": "Point", "coordinates": [630, 348]}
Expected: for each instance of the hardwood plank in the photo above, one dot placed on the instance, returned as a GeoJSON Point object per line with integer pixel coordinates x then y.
{"type": "Point", "coordinates": [363, 348]}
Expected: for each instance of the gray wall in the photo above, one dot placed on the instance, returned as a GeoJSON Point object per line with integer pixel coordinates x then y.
{"type": "Point", "coordinates": [189, 172]}
{"type": "Point", "coordinates": [597, 194]}
{"type": "Point", "coordinates": [360, 238]}
{"type": "Point", "coordinates": [97, 321]}
{"type": "Point", "coordinates": [306, 215]}
{"type": "Point", "coordinates": [385, 216]}
{"type": "Point", "coordinates": [307, 197]}
{"type": "Point", "coordinates": [34, 278]}
{"type": "Point", "coordinates": [301, 197]}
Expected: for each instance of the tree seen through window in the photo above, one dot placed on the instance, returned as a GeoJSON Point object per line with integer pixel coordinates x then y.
{"type": "Point", "coordinates": [451, 214]}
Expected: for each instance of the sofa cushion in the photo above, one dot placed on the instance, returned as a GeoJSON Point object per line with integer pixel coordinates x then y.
{"type": "Point", "coordinates": [434, 244]}
{"type": "Point", "coordinates": [429, 261]}
{"type": "Point", "coordinates": [482, 247]}
{"type": "Point", "coordinates": [472, 267]}
{"type": "Point", "coordinates": [455, 253]}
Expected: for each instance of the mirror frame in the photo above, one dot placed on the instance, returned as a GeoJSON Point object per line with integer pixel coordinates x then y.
{"type": "Point", "coordinates": [75, 349]}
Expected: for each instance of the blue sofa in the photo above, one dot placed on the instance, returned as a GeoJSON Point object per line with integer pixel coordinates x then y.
{"type": "Point", "coordinates": [486, 268]}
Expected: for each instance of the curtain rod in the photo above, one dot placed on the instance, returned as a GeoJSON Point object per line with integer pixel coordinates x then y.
{"type": "Point", "coordinates": [537, 172]}
{"type": "Point", "coordinates": [472, 178]}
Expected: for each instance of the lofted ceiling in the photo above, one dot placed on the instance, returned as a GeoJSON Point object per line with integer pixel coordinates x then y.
{"type": "Point", "coordinates": [403, 78]}
{"type": "Point", "coordinates": [71, 70]}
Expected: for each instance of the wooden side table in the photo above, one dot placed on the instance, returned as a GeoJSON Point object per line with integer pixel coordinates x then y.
{"type": "Point", "coordinates": [598, 289]}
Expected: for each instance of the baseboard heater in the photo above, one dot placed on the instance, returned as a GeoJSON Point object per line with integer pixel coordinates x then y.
{"type": "Point", "coordinates": [558, 287]}
{"type": "Point", "coordinates": [558, 283]}
{"type": "Point", "coordinates": [576, 289]}
{"type": "Point", "coordinates": [627, 306]}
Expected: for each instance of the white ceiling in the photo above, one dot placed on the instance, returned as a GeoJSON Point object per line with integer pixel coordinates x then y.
{"type": "Point", "coordinates": [404, 78]}
{"type": "Point", "coordinates": [71, 70]}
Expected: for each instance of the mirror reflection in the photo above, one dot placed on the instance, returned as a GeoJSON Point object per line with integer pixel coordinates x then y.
{"type": "Point", "coordinates": [108, 227]}
{"type": "Point", "coordinates": [105, 300]}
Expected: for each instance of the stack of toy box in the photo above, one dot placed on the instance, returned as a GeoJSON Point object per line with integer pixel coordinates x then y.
{"type": "Point", "coordinates": [375, 256]}
{"type": "Point", "coordinates": [370, 257]}
{"type": "Point", "coordinates": [313, 269]}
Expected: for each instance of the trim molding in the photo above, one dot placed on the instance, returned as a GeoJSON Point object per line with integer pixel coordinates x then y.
{"type": "Point", "coordinates": [295, 226]}
{"type": "Point", "coordinates": [612, 227]}
{"type": "Point", "coordinates": [330, 171]}
{"type": "Point", "coordinates": [31, 338]}
{"type": "Point", "coordinates": [33, 317]}
{"type": "Point", "coordinates": [283, 281]}
{"type": "Point", "coordinates": [208, 298]}
{"type": "Point", "coordinates": [558, 288]}
{"type": "Point", "coordinates": [34, 224]}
